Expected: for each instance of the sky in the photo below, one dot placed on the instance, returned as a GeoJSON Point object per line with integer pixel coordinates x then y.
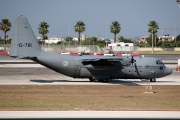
{"type": "Point", "coordinates": [62, 15]}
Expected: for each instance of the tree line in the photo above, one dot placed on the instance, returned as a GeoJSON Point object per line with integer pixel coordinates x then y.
{"type": "Point", "coordinates": [80, 27]}
{"type": "Point", "coordinates": [153, 41]}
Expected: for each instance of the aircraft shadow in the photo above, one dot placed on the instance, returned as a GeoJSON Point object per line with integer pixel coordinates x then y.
{"type": "Point", "coordinates": [122, 82]}
{"type": "Point", "coordinates": [137, 83]}
{"type": "Point", "coordinates": [115, 82]}
{"type": "Point", "coordinates": [52, 81]}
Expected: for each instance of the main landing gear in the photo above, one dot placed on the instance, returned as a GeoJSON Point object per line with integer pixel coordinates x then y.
{"type": "Point", "coordinates": [153, 80]}
{"type": "Point", "coordinates": [93, 80]}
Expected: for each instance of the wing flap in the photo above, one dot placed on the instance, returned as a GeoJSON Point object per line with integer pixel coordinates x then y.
{"type": "Point", "coordinates": [107, 61]}
{"type": "Point", "coordinates": [101, 59]}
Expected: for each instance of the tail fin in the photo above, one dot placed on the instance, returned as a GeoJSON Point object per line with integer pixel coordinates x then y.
{"type": "Point", "coordinates": [24, 43]}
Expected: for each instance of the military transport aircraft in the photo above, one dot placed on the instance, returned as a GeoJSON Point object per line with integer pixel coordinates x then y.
{"type": "Point", "coordinates": [102, 68]}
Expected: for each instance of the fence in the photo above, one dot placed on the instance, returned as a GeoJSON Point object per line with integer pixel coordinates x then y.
{"type": "Point", "coordinates": [71, 48]}
{"type": "Point", "coordinates": [2, 47]}
{"type": "Point", "coordinates": [63, 48]}
{"type": "Point", "coordinates": [89, 48]}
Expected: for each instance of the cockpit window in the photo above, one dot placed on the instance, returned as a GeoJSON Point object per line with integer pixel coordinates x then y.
{"type": "Point", "coordinates": [159, 62]}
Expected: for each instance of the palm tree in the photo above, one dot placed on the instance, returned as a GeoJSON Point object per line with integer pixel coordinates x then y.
{"type": "Point", "coordinates": [5, 26]}
{"type": "Point", "coordinates": [153, 26]}
{"type": "Point", "coordinates": [94, 39]}
{"type": "Point", "coordinates": [79, 27]}
{"type": "Point", "coordinates": [115, 28]}
{"type": "Point", "coordinates": [120, 38]}
{"type": "Point", "coordinates": [43, 30]}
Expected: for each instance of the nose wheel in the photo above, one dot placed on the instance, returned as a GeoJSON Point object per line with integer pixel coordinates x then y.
{"type": "Point", "coordinates": [153, 80]}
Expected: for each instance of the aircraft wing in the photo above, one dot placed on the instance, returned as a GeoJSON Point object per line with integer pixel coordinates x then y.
{"type": "Point", "coordinates": [107, 61]}
{"type": "Point", "coordinates": [100, 61]}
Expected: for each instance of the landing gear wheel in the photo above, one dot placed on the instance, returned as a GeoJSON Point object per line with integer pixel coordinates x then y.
{"type": "Point", "coordinates": [104, 81]}
{"type": "Point", "coordinates": [91, 80]}
{"type": "Point", "coordinates": [107, 80]}
{"type": "Point", "coordinates": [100, 80]}
{"type": "Point", "coordinates": [153, 80]}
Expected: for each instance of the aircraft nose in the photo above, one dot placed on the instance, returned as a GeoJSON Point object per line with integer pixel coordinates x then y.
{"type": "Point", "coordinates": [167, 71]}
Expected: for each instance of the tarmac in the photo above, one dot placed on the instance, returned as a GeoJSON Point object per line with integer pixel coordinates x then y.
{"type": "Point", "coordinates": [24, 75]}
{"type": "Point", "coordinates": [15, 71]}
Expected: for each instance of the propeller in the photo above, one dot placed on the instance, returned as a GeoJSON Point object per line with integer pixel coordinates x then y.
{"type": "Point", "coordinates": [132, 59]}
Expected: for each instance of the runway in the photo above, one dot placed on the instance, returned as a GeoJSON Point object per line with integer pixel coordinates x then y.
{"type": "Point", "coordinates": [88, 115]}
{"type": "Point", "coordinates": [35, 74]}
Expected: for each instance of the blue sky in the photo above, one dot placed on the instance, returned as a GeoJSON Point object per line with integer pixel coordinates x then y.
{"type": "Point", "coordinates": [61, 15]}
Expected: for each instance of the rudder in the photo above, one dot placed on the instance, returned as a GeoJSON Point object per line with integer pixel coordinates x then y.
{"type": "Point", "coordinates": [24, 43]}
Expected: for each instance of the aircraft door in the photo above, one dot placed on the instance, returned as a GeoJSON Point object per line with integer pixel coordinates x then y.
{"type": "Point", "coordinates": [161, 70]}
{"type": "Point", "coordinates": [77, 70]}
{"type": "Point", "coordinates": [160, 67]}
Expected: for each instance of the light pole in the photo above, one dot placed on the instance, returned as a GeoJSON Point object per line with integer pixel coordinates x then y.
{"type": "Point", "coordinates": [152, 41]}
{"type": "Point", "coordinates": [145, 37]}
{"type": "Point", "coordinates": [175, 34]}
{"type": "Point", "coordinates": [48, 41]}
{"type": "Point", "coordinates": [69, 37]}
{"type": "Point", "coordinates": [145, 32]}
{"type": "Point", "coordinates": [162, 31]}
{"type": "Point", "coordinates": [155, 41]}
{"type": "Point", "coordinates": [106, 43]}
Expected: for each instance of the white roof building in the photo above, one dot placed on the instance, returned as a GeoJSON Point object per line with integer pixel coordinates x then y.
{"type": "Point", "coordinates": [75, 39]}
{"type": "Point", "coordinates": [120, 47]}
{"type": "Point", "coordinates": [53, 40]}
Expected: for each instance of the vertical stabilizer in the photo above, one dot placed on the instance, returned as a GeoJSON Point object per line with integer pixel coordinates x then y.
{"type": "Point", "coordinates": [24, 43]}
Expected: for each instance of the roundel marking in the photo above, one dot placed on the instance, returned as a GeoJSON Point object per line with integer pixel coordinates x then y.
{"type": "Point", "coordinates": [65, 63]}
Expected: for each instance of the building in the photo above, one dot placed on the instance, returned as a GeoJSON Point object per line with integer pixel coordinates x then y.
{"type": "Point", "coordinates": [52, 40]}
{"type": "Point", "coordinates": [120, 47]}
{"type": "Point", "coordinates": [163, 38]}
{"type": "Point", "coordinates": [143, 39]}
{"type": "Point", "coordinates": [83, 37]}
{"type": "Point", "coordinates": [166, 38]}
{"type": "Point", "coordinates": [75, 39]}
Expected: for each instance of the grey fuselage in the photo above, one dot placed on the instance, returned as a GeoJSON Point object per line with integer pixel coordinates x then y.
{"type": "Point", "coordinates": [69, 65]}
{"type": "Point", "coordinates": [24, 45]}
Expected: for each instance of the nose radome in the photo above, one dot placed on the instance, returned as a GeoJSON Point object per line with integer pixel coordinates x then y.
{"type": "Point", "coordinates": [167, 71]}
